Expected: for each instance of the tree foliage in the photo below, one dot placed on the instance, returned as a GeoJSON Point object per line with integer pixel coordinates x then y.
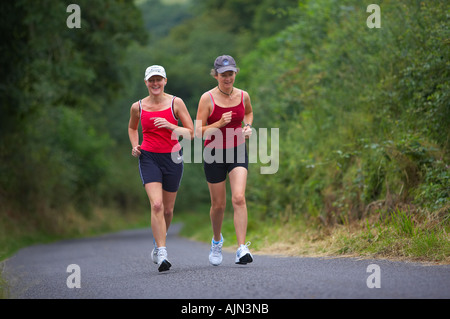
{"type": "Point", "coordinates": [363, 113]}
{"type": "Point", "coordinates": [58, 84]}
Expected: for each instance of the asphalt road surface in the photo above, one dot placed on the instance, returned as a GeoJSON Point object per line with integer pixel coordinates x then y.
{"type": "Point", "coordinates": [118, 266]}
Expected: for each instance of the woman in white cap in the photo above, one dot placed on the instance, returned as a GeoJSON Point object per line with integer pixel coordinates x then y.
{"type": "Point", "coordinates": [224, 120]}
{"type": "Point", "coordinates": [160, 154]}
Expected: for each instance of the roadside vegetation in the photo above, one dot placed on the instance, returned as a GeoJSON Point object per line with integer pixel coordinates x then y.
{"type": "Point", "coordinates": [397, 236]}
{"type": "Point", "coordinates": [364, 122]}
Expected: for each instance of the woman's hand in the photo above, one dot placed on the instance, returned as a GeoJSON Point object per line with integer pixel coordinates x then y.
{"type": "Point", "coordinates": [161, 122]}
{"type": "Point", "coordinates": [226, 118]}
{"type": "Point", "coordinates": [136, 151]}
{"type": "Point", "coordinates": [247, 131]}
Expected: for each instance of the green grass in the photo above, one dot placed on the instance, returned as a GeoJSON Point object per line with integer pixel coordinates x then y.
{"type": "Point", "coordinates": [395, 235]}
{"type": "Point", "coordinates": [399, 235]}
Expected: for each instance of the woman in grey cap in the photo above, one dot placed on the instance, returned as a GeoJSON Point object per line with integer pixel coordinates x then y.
{"type": "Point", "coordinates": [224, 120]}
{"type": "Point", "coordinates": [160, 154]}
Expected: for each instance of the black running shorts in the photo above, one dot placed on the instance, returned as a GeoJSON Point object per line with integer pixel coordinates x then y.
{"type": "Point", "coordinates": [217, 163]}
{"type": "Point", "coordinates": [165, 168]}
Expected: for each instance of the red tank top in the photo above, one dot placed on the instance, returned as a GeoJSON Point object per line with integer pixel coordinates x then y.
{"type": "Point", "coordinates": [158, 140]}
{"type": "Point", "coordinates": [233, 129]}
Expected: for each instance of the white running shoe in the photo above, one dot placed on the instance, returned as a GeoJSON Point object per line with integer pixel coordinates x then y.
{"type": "Point", "coordinates": [155, 255]}
{"type": "Point", "coordinates": [243, 255]}
{"type": "Point", "coordinates": [155, 252]}
{"type": "Point", "coordinates": [215, 254]}
{"type": "Point", "coordinates": [163, 262]}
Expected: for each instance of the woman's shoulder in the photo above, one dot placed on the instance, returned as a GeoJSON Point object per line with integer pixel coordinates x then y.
{"type": "Point", "coordinates": [177, 101]}
{"type": "Point", "coordinates": [206, 96]}
{"type": "Point", "coordinates": [135, 105]}
{"type": "Point", "coordinates": [209, 92]}
{"type": "Point", "coordinates": [245, 95]}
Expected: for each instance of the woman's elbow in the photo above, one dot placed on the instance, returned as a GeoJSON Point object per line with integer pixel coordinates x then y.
{"type": "Point", "coordinates": [198, 132]}
{"type": "Point", "coordinates": [191, 134]}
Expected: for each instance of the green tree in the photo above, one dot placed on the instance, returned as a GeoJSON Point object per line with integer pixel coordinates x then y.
{"type": "Point", "coordinates": [59, 82]}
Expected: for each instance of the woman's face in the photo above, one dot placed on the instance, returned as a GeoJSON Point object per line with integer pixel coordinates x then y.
{"type": "Point", "coordinates": [156, 84]}
{"type": "Point", "coordinates": [226, 79]}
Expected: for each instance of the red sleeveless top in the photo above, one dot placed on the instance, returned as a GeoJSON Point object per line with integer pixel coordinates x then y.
{"type": "Point", "coordinates": [158, 140]}
{"type": "Point", "coordinates": [232, 132]}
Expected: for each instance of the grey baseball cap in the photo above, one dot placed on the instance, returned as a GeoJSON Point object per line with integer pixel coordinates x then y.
{"type": "Point", "coordinates": [225, 63]}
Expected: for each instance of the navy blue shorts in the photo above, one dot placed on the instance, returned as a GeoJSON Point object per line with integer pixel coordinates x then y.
{"type": "Point", "coordinates": [217, 166]}
{"type": "Point", "coordinates": [165, 168]}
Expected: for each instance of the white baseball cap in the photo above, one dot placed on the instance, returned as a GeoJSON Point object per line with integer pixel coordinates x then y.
{"type": "Point", "coordinates": [155, 70]}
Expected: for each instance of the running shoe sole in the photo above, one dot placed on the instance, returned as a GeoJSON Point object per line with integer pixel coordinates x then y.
{"type": "Point", "coordinates": [164, 266]}
{"type": "Point", "coordinates": [244, 260]}
{"type": "Point", "coordinates": [216, 263]}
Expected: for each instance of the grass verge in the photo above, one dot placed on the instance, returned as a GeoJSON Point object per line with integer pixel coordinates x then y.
{"type": "Point", "coordinates": [397, 235]}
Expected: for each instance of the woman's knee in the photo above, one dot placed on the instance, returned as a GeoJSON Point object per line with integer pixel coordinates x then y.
{"type": "Point", "coordinates": [218, 206]}
{"type": "Point", "coordinates": [238, 200]}
{"type": "Point", "coordinates": [168, 211]}
{"type": "Point", "coordinates": [157, 206]}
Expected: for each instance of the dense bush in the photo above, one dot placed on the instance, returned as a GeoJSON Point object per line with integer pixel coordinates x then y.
{"type": "Point", "coordinates": [363, 113]}
{"type": "Point", "coordinates": [56, 150]}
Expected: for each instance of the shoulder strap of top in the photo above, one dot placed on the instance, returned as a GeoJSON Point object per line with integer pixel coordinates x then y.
{"type": "Point", "coordinates": [172, 108]}
{"type": "Point", "coordinates": [213, 103]}
{"type": "Point", "coordinates": [140, 109]}
{"type": "Point", "coordinates": [212, 99]}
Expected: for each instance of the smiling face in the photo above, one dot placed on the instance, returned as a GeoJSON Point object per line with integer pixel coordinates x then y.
{"type": "Point", "coordinates": [226, 79]}
{"type": "Point", "coordinates": [156, 84]}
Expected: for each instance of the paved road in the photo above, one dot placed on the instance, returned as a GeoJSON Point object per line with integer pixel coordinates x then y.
{"type": "Point", "coordinates": [118, 266]}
